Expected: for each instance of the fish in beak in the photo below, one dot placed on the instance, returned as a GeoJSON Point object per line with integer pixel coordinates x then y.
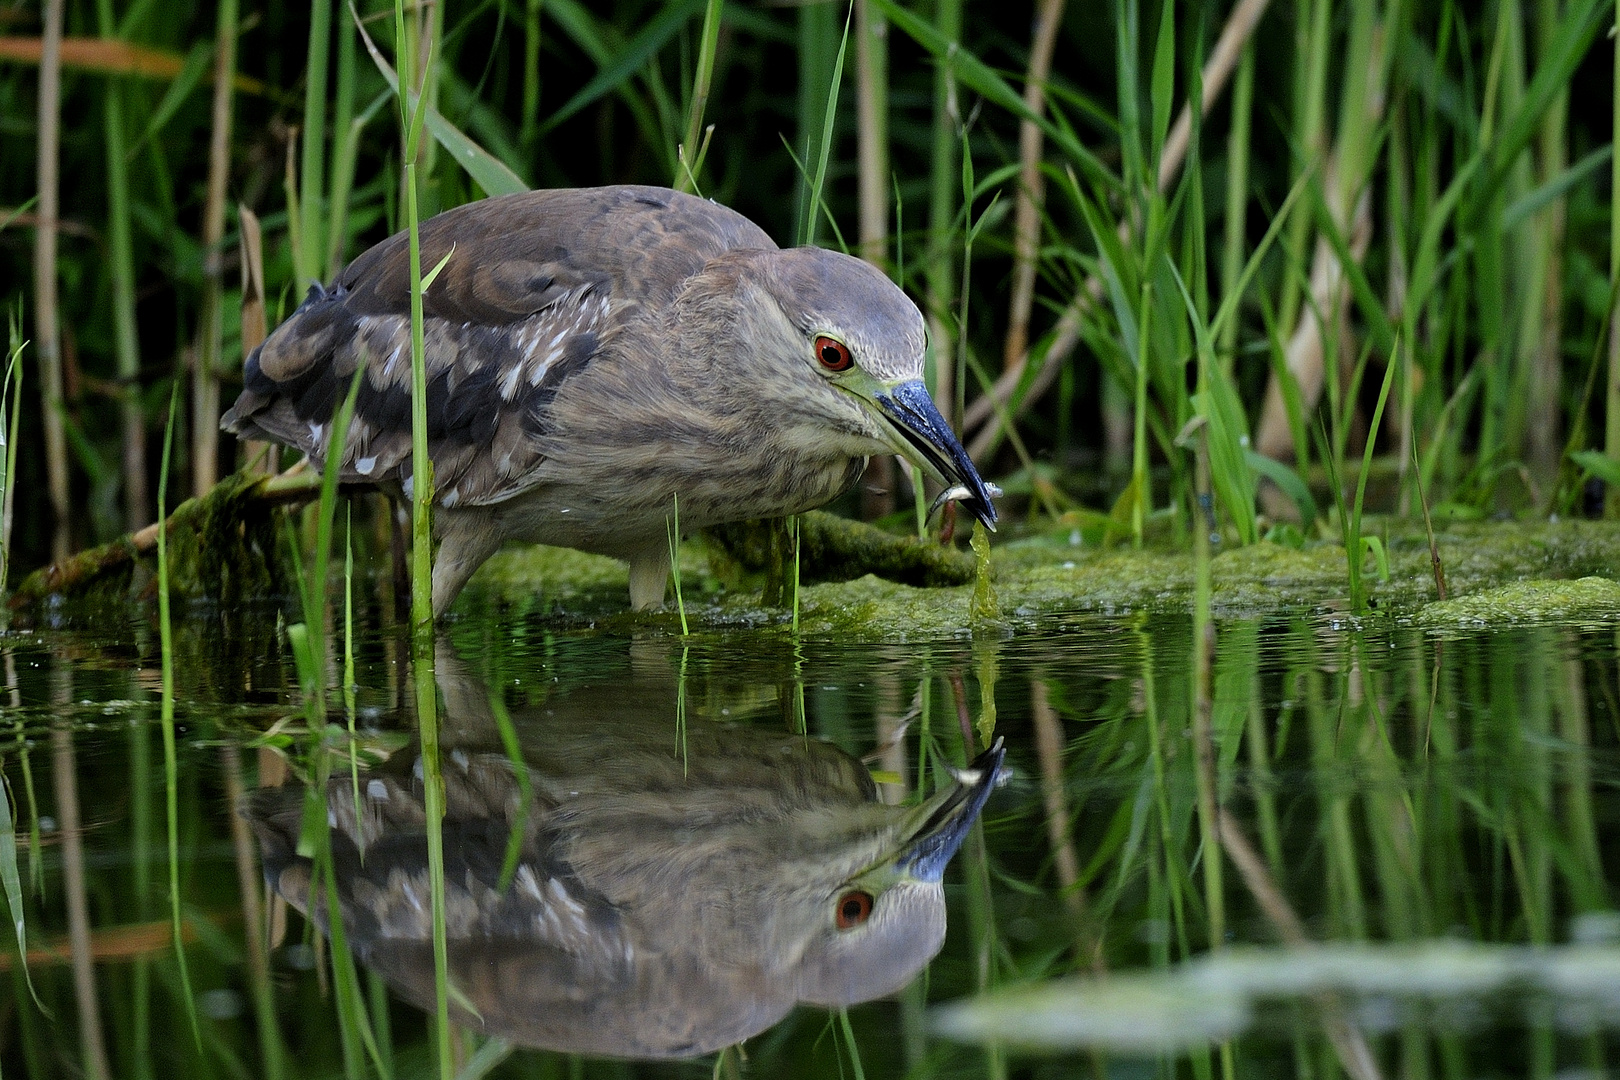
{"type": "Point", "coordinates": [926, 439]}
{"type": "Point", "coordinates": [947, 817]}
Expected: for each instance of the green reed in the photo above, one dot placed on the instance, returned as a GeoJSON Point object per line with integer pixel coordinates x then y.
{"type": "Point", "coordinates": [413, 110]}
{"type": "Point", "coordinates": [170, 758]}
{"type": "Point", "coordinates": [1467, 155]}
{"type": "Point", "coordinates": [11, 395]}
{"type": "Point", "coordinates": [673, 530]}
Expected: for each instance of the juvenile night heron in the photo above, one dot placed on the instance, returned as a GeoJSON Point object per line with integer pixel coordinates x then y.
{"type": "Point", "coordinates": [665, 902]}
{"type": "Point", "coordinates": [595, 354]}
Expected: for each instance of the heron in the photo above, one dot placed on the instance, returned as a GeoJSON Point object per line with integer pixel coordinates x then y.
{"type": "Point", "coordinates": [599, 360]}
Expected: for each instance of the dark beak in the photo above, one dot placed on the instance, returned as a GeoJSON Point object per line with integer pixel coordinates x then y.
{"type": "Point", "coordinates": [914, 414]}
{"type": "Point", "coordinates": [950, 815]}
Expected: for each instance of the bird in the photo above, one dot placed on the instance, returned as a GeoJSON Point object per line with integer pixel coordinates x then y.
{"type": "Point", "coordinates": [599, 362]}
{"type": "Point", "coordinates": [669, 898]}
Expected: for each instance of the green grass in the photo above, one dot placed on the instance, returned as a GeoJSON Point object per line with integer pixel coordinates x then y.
{"type": "Point", "coordinates": [1465, 145]}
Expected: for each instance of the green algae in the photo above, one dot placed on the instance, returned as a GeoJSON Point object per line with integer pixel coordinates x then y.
{"type": "Point", "coordinates": [1038, 580]}
{"type": "Point", "coordinates": [832, 548]}
{"type": "Point", "coordinates": [985, 605]}
{"type": "Point", "coordinates": [1041, 578]}
{"type": "Point", "coordinates": [1582, 600]}
{"type": "Point", "coordinates": [225, 550]}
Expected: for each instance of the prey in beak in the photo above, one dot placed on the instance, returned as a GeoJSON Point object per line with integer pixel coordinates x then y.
{"type": "Point", "coordinates": [921, 435]}
{"type": "Point", "coordinates": [946, 818]}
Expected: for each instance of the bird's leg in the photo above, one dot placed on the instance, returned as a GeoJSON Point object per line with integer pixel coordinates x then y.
{"type": "Point", "coordinates": [466, 543]}
{"type": "Point", "coordinates": [649, 575]}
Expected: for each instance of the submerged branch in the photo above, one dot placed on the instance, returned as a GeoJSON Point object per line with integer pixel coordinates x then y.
{"type": "Point", "coordinates": [227, 550]}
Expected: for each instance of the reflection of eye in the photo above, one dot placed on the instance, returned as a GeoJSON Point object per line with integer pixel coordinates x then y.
{"type": "Point", "coordinates": [854, 908]}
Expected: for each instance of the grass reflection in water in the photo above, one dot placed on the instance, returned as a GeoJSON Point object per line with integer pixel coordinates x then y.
{"type": "Point", "coordinates": [1406, 820]}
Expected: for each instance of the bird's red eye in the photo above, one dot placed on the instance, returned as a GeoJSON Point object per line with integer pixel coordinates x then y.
{"type": "Point", "coordinates": [834, 355]}
{"type": "Point", "coordinates": [854, 908]}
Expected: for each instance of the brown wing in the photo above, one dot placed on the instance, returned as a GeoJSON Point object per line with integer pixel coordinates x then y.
{"type": "Point", "coordinates": [534, 285]}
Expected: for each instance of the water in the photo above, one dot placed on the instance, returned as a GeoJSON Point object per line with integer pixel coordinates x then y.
{"type": "Point", "coordinates": [1415, 832]}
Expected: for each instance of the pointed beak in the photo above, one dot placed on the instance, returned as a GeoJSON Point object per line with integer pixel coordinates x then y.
{"type": "Point", "coordinates": [931, 444]}
{"type": "Point", "coordinates": [947, 817]}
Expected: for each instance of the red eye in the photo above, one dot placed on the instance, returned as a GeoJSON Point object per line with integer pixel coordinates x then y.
{"type": "Point", "coordinates": [854, 908]}
{"type": "Point", "coordinates": [834, 355]}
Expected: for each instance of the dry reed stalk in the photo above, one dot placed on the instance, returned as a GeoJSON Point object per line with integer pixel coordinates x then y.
{"type": "Point", "coordinates": [1346, 184]}
{"type": "Point", "coordinates": [106, 57]}
{"type": "Point", "coordinates": [245, 853]}
{"type": "Point", "coordinates": [1307, 345]}
{"type": "Point", "coordinates": [249, 881]}
{"type": "Point", "coordinates": [891, 726]}
{"type": "Point", "coordinates": [987, 409]}
{"type": "Point", "coordinates": [872, 138]}
{"type": "Point", "coordinates": [47, 335]}
{"type": "Point", "coordinates": [872, 131]}
{"type": "Point", "coordinates": [1349, 1044]}
{"type": "Point", "coordinates": [1031, 184]}
{"type": "Point", "coordinates": [205, 379]}
{"type": "Point", "coordinates": [65, 778]}
{"type": "Point", "coordinates": [1049, 752]}
{"type": "Point", "coordinates": [260, 456]}
{"type": "Point", "coordinates": [939, 260]}
{"type": "Point", "coordinates": [1544, 423]}
{"type": "Point", "coordinates": [133, 422]}
{"type": "Point", "coordinates": [108, 944]}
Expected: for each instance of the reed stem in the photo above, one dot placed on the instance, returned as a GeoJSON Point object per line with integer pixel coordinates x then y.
{"type": "Point", "coordinates": [211, 332]}
{"type": "Point", "coordinates": [121, 265]}
{"type": "Point", "coordinates": [47, 334]}
{"type": "Point", "coordinates": [944, 179]}
{"type": "Point", "coordinates": [1611, 399]}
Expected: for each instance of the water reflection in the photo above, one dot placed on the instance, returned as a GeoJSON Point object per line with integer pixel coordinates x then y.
{"type": "Point", "coordinates": [675, 888]}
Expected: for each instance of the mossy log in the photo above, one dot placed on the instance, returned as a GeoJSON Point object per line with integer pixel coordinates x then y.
{"type": "Point", "coordinates": [832, 548]}
{"type": "Point", "coordinates": [222, 548]}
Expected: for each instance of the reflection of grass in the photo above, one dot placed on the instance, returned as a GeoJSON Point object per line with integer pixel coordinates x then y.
{"type": "Point", "coordinates": [1377, 816]}
{"type": "Point", "coordinates": [171, 768]}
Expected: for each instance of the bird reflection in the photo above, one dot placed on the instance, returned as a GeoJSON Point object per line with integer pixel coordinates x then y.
{"type": "Point", "coordinates": [668, 899]}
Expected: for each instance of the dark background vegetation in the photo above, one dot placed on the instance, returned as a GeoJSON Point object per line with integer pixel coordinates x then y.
{"type": "Point", "coordinates": [1456, 74]}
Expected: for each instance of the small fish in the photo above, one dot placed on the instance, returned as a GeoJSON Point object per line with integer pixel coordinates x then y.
{"type": "Point", "coordinates": [957, 494]}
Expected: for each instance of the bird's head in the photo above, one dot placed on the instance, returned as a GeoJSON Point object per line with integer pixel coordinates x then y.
{"type": "Point", "coordinates": [877, 927]}
{"type": "Point", "coordinates": [851, 345]}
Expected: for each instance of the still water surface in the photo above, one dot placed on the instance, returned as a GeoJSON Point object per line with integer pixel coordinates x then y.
{"type": "Point", "coordinates": [1400, 818]}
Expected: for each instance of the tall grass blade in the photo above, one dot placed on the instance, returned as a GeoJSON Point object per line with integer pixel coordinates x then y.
{"type": "Point", "coordinates": [520, 773]}
{"type": "Point", "coordinates": [211, 330]}
{"type": "Point", "coordinates": [673, 527]}
{"type": "Point", "coordinates": [824, 143]}
{"type": "Point", "coordinates": [628, 60]}
{"type": "Point", "coordinates": [10, 394]}
{"type": "Point", "coordinates": [849, 1040]}
{"type": "Point", "coordinates": [171, 766]}
{"type": "Point", "coordinates": [486, 170]}
{"type": "Point", "coordinates": [1353, 543]}
{"type": "Point", "coordinates": [312, 176]}
{"type": "Point", "coordinates": [121, 264]}
{"type": "Point", "coordinates": [412, 109]}
{"type": "Point", "coordinates": [1611, 400]}
{"type": "Point", "coordinates": [690, 154]}
{"type": "Point", "coordinates": [11, 880]}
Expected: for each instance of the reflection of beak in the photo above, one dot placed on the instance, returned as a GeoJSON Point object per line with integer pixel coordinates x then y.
{"type": "Point", "coordinates": [949, 816]}
{"type": "Point", "coordinates": [931, 443]}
